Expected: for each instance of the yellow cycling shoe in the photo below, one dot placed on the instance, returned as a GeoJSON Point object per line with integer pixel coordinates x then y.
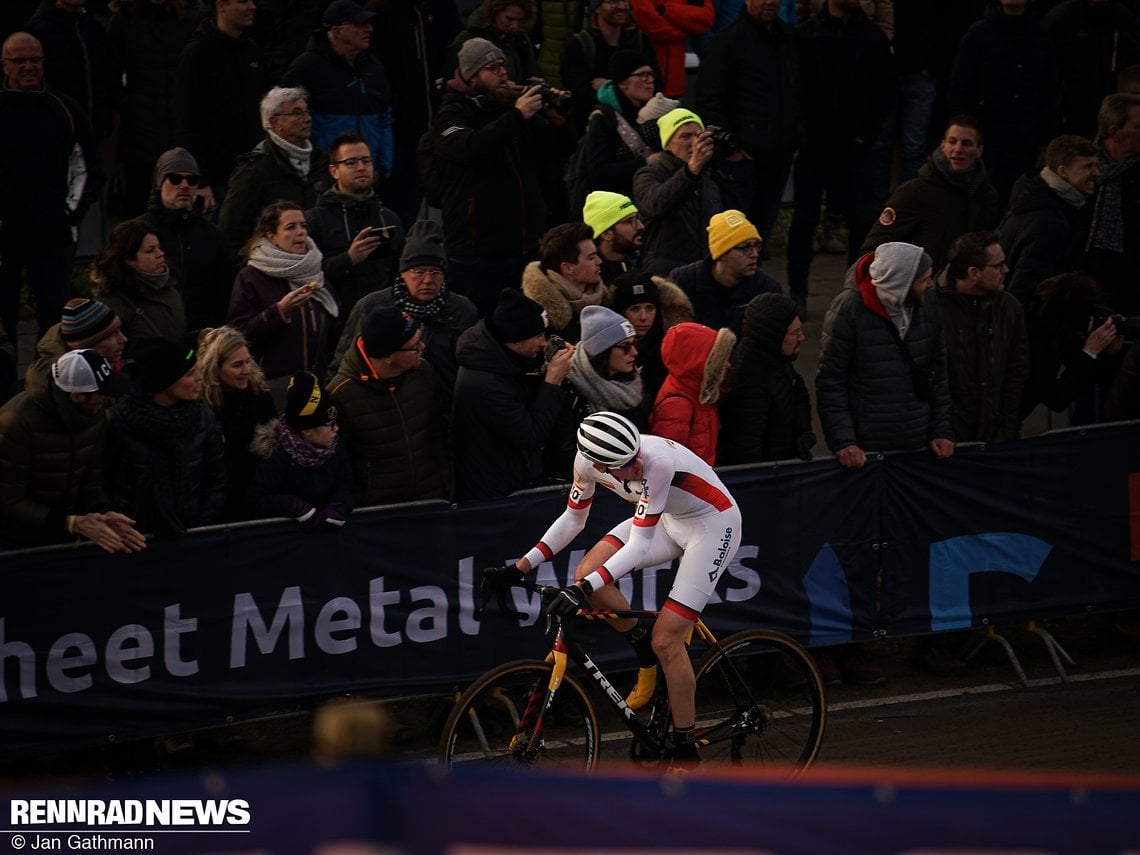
{"type": "Point", "coordinates": [642, 693]}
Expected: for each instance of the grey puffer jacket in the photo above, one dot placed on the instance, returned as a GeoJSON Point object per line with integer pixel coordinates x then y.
{"type": "Point", "coordinates": [867, 391]}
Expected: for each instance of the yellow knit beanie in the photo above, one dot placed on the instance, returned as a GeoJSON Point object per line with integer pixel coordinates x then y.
{"type": "Point", "coordinates": [728, 229]}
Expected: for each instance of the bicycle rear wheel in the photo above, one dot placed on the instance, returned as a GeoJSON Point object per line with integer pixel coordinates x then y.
{"type": "Point", "coordinates": [508, 717]}
{"type": "Point", "coordinates": [760, 703]}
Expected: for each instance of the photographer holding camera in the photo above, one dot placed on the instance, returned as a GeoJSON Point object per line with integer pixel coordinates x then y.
{"type": "Point", "coordinates": [677, 195]}
{"type": "Point", "coordinates": [487, 136]}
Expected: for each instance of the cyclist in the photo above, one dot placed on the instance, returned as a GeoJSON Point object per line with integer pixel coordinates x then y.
{"type": "Point", "coordinates": [682, 510]}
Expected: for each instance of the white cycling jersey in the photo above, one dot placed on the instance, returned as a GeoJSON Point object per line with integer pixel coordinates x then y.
{"type": "Point", "coordinates": [682, 509]}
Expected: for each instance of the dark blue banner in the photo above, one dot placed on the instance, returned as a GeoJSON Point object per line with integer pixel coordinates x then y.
{"type": "Point", "coordinates": [229, 623]}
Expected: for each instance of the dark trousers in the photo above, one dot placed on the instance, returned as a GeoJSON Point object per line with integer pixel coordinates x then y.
{"type": "Point", "coordinates": [838, 173]}
{"type": "Point", "coordinates": [755, 187]}
{"type": "Point", "coordinates": [48, 270]}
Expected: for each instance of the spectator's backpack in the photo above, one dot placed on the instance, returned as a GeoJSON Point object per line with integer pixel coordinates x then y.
{"type": "Point", "coordinates": [577, 171]}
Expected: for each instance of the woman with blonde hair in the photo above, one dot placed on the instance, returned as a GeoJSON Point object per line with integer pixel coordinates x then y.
{"type": "Point", "coordinates": [234, 387]}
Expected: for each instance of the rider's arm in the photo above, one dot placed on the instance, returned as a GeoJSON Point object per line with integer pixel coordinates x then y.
{"type": "Point", "coordinates": [564, 529]}
{"type": "Point", "coordinates": [657, 477]}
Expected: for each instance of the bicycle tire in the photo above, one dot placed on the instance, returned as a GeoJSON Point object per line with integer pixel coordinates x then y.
{"type": "Point", "coordinates": [497, 720]}
{"type": "Point", "coordinates": [776, 685]}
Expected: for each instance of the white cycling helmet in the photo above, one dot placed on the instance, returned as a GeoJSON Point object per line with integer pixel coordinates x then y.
{"type": "Point", "coordinates": [608, 439]}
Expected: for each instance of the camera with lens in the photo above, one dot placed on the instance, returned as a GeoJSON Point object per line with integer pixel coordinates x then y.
{"type": "Point", "coordinates": [554, 344]}
{"type": "Point", "coordinates": [550, 98]}
{"type": "Point", "coordinates": [724, 140]}
{"type": "Point", "coordinates": [1126, 328]}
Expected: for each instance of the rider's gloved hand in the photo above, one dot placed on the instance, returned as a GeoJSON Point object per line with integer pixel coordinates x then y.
{"type": "Point", "coordinates": [567, 601]}
{"type": "Point", "coordinates": [497, 579]}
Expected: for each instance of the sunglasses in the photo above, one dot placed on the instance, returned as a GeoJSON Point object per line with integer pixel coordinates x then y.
{"type": "Point", "coordinates": [626, 346]}
{"type": "Point", "coordinates": [176, 178]}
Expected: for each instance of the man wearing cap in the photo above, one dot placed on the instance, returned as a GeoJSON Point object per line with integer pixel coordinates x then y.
{"type": "Point", "coordinates": [677, 194]}
{"type": "Point", "coordinates": [487, 137]}
{"type": "Point", "coordinates": [393, 413]}
{"type": "Point", "coordinates": [85, 323]}
{"type": "Point", "coordinates": [49, 175]}
{"type": "Point", "coordinates": [882, 383]}
{"type": "Point", "coordinates": [507, 400]}
{"type": "Point", "coordinates": [359, 238]}
{"type": "Point", "coordinates": [196, 249]}
{"type": "Point", "coordinates": [566, 278]}
{"type": "Point", "coordinates": [618, 232]}
{"type": "Point", "coordinates": [220, 79]}
{"type": "Point", "coordinates": [423, 294]}
{"type": "Point", "coordinates": [724, 282]}
{"type": "Point", "coordinates": [165, 452]}
{"type": "Point", "coordinates": [748, 83]}
{"type": "Point", "coordinates": [586, 54]}
{"type": "Point", "coordinates": [51, 457]}
{"type": "Point", "coordinates": [347, 84]}
{"type": "Point", "coordinates": [285, 165]}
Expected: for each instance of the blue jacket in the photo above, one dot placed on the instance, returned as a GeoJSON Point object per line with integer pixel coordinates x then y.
{"type": "Point", "coordinates": [345, 97]}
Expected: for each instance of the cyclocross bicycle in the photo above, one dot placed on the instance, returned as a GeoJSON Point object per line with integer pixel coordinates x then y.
{"type": "Point", "coordinates": [760, 702]}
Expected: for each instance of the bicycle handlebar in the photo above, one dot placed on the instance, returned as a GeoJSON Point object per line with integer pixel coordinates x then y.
{"type": "Point", "coordinates": [545, 592]}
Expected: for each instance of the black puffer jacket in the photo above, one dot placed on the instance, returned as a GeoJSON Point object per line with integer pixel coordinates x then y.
{"type": "Point", "coordinates": [749, 83]}
{"type": "Point", "coordinates": [334, 223]}
{"type": "Point", "coordinates": [51, 464]}
{"type": "Point", "coordinates": [1036, 234]}
{"type": "Point", "coordinates": [283, 488]}
{"type": "Point", "coordinates": [166, 465]}
{"type": "Point", "coordinates": [396, 432]}
{"type": "Point", "coordinates": [987, 352]}
{"type": "Point", "coordinates": [502, 417]}
{"type": "Point", "coordinates": [766, 414]}
{"type": "Point", "coordinates": [865, 389]}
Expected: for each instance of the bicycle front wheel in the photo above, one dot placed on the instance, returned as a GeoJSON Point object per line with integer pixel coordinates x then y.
{"type": "Point", "coordinates": [760, 702]}
{"type": "Point", "coordinates": [508, 716]}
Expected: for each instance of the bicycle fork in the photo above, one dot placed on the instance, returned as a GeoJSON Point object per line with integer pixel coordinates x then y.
{"type": "Point", "coordinates": [528, 732]}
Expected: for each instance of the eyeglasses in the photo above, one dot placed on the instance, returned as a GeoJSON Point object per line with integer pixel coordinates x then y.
{"type": "Point", "coordinates": [178, 178]}
{"type": "Point", "coordinates": [353, 162]}
{"type": "Point", "coordinates": [643, 75]}
{"type": "Point", "coordinates": [626, 346]}
{"type": "Point", "coordinates": [1001, 265]}
{"type": "Point", "coordinates": [749, 248]}
{"type": "Point", "coordinates": [25, 60]}
{"type": "Point", "coordinates": [295, 114]}
{"type": "Point", "coordinates": [629, 221]}
{"type": "Point", "coordinates": [415, 348]}
{"type": "Point", "coordinates": [496, 66]}
{"type": "Point", "coordinates": [425, 272]}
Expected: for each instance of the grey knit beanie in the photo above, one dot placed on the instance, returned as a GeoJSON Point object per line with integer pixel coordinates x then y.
{"type": "Point", "coordinates": [475, 55]}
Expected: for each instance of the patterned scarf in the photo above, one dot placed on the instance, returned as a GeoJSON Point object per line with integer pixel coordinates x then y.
{"type": "Point", "coordinates": [1107, 228]}
{"type": "Point", "coordinates": [295, 269]}
{"type": "Point", "coordinates": [304, 454]}
{"type": "Point", "coordinates": [419, 311]}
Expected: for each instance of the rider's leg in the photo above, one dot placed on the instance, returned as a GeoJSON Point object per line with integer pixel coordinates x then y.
{"type": "Point", "coordinates": [669, 633]}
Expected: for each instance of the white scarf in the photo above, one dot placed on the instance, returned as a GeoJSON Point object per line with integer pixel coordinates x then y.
{"type": "Point", "coordinates": [297, 155]}
{"type": "Point", "coordinates": [295, 269]}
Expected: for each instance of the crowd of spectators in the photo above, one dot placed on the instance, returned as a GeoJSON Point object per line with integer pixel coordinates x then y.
{"type": "Point", "coordinates": [331, 285]}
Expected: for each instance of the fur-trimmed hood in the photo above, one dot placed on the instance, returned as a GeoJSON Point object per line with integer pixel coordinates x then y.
{"type": "Point", "coordinates": [675, 305]}
{"type": "Point", "coordinates": [697, 358]}
{"type": "Point", "coordinates": [562, 299]}
{"type": "Point", "coordinates": [264, 441]}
